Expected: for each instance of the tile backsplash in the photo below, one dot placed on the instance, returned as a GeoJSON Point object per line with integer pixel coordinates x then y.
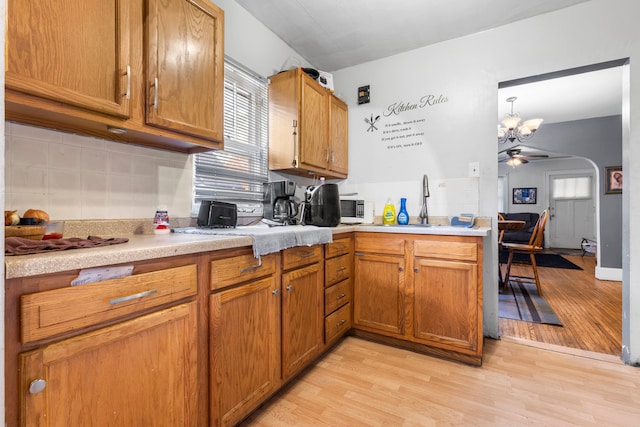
{"type": "Point", "coordinates": [79, 178]}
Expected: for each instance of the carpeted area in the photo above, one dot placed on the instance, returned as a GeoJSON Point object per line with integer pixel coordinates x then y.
{"type": "Point", "coordinates": [542, 260]}
{"type": "Point", "coordinates": [520, 301]}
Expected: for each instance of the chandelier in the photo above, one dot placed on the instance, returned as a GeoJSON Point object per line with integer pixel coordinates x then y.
{"type": "Point", "coordinates": [510, 129]}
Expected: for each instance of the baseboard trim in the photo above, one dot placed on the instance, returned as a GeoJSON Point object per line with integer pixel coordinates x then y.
{"type": "Point", "coordinates": [606, 273]}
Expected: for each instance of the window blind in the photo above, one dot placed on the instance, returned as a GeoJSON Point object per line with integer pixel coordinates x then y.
{"type": "Point", "coordinates": [236, 174]}
{"type": "Point", "coordinates": [572, 188]}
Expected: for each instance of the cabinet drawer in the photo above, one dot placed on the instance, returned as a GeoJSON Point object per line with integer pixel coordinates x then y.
{"type": "Point", "coordinates": [465, 251]}
{"type": "Point", "coordinates": [301, 255]}
{"type": "Point", "coordinates": [337, 247]}
{"type": "Point", "coordinates": [337, 323]}
{"type": "Point", "coordinates": [238, 269]}
{"type": "Point", "coordinates": [336, 296]}
{"type": "Point", "coordinates": [337, 269]}
{"type": "Point", "coordinates": [380, 245]}
{"type": "Point", "coordinates": [57, 311]}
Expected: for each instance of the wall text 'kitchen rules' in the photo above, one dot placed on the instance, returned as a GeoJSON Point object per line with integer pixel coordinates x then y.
{"type": "Point", "coordinates": [402, 124]}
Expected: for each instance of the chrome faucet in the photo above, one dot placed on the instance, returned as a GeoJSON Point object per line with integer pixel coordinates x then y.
{"type": "Point", "coordinates": [424, 215]}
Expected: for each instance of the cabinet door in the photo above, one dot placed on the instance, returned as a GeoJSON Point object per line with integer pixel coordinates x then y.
{"type": "Point", "coordinates": [338, 136]}
{"type": "Point", "coordinates": [378, 293]}
{"type": "Point", "coordinates": [302, 317]}
{"type": "Point", "coordinates": [244, 349]}
{"type": "Point", "coordinates": [142, 372]}
{"type": "Point", "coordinates": [446, 304]}
{"type": "Point", "coordinates": [185, 67]}
{"type": "Point", "coordinates": [77, 53]}
{"type": "Point", "coordinates": [314, 137]}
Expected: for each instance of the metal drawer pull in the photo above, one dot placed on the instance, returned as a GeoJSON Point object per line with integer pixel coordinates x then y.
{"type": "Point", "coordinates": [341, 268]}
{"type": "Point", "coordinates": [127, 73]}
{"type": "Point", "coordinates": [342, 322]}
{"type": "Point", "coordinates": [155, 93]}
{"type": "Point", "coordinates": [253, 267]}
{"type": "Point", "coordinates": [37, 386]}
{"type": "Point", "coordinates": [341, 296]}
{"type": "Point", "coordinates": [307, 255]}
{"type": "Point", "coordinates": [132, 297]}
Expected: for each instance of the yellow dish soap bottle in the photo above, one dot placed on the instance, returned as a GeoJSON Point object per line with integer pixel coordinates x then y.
{"type": "Point", "coordinates": [389, 213]}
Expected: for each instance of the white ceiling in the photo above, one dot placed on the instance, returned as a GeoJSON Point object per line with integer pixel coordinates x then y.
{"type": "Point", "coordinates": [334, 34]}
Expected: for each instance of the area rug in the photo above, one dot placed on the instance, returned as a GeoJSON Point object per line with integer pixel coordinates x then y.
{"type": "Point", "coordinates": [520, 301]}
{"type": "Point", "coordinates": [542, 260]}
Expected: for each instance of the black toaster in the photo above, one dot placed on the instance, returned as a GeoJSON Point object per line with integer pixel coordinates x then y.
{"type": "Point", "coordinates": [214, 214]}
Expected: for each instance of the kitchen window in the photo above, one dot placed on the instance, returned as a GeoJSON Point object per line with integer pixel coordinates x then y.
{"type": "Point", "coordinates": [236, 174]}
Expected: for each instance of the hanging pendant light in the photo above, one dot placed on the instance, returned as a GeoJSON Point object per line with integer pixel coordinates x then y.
{"type": "Point", "coordinates": [510, 128]}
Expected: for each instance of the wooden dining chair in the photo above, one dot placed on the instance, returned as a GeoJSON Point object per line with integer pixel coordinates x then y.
{"type": "Point", "coordinates": [534, 246]}
{"type": "Point", "coordinates": [500, 249]}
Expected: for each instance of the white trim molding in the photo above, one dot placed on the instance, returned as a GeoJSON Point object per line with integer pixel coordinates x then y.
{"type": "Point", "coordinates": [606, 273]}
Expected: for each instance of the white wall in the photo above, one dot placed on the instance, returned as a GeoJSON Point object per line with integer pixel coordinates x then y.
{"type": "Point", "coordinates": [77, 177]}
{"type": "Point", "coordinates": [533, 174]}
{"type": "Point", "coordinates": [467, 71]}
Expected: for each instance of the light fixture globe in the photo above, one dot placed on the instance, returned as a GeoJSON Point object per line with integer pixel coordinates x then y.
{"type": "Point", "coordinates": [510, 128]}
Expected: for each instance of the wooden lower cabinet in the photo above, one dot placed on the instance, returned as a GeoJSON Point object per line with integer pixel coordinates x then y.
{"type": "Point", "coordinates": [244, 349]}
{"type": "Point", "coordinates": [338, 284]}
{"type": "Point", "coordinates": [379, 293]}
{"type": "Point", "coordinates": [139, 372]}
{"type": "Point", "coordinates": [302, 317]}
{"type": "Point", "coordinates": [446, 304]}
{"type": "Point", "coordinates": [421, 292]}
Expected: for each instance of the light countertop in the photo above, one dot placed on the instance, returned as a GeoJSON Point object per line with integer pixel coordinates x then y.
{"type": "Point", "coordinates": [150, 246]}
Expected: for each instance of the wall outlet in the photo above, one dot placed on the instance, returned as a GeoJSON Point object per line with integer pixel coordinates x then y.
{"type": "Point", "coordinates": [474, 169]}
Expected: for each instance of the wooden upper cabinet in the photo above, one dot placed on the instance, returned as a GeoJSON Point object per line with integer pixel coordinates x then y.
{"type": "Point", "coordinates": [146, 72]}
{"type": "Point", "coordinates": [338, 136]}
{"type": "Point", "coordinates": [307, 127]}
{"type": "Point", "coordinates": [77, 53]}
{"type": "Point", "coordinates": [185, 67]}
{"type": "Point", "coordinates": [313, 130]}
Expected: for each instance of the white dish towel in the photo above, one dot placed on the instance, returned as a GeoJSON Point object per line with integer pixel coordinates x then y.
{"type": "Point", "coordinates": [267, 239]}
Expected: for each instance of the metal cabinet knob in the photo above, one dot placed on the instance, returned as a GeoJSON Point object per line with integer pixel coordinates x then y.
{"type": "Point", "coordinates": [37, 386]}
{"type": "Point", "coordinates": [290, 288]}
{"type": "Point", "coordinates": [275, 292]}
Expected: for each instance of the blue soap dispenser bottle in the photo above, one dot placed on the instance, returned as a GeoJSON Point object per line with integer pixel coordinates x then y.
{"type": "Point", "coordinates": [403, 215]}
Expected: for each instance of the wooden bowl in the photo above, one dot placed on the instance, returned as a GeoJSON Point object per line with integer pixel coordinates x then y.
{"type": "Point", "coordinates": [33, 232]}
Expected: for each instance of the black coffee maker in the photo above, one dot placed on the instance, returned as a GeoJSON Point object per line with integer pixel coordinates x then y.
{"type": "Point", "coordinates": [278, 200]}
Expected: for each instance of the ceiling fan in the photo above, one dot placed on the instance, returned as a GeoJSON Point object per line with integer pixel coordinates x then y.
{"type": "Point", "coordinates": [515, 158]}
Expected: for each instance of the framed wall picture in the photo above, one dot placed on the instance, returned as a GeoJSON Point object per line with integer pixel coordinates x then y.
{"type": "Point", "coordinates": [613, 180]}
{"type": "Point", "coordinates": [525, 196]}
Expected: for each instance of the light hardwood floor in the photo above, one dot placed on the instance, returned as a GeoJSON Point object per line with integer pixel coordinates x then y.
{"type": "Point", "coordinates": [361, 383]}
{"type": "Point", "coordinates": [536, 375]}
{"type": "Point", "coordinates": [590, 309]}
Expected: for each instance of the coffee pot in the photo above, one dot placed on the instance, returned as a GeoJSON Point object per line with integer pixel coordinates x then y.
{"type": "Point", "coordinates": [279, 203]}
